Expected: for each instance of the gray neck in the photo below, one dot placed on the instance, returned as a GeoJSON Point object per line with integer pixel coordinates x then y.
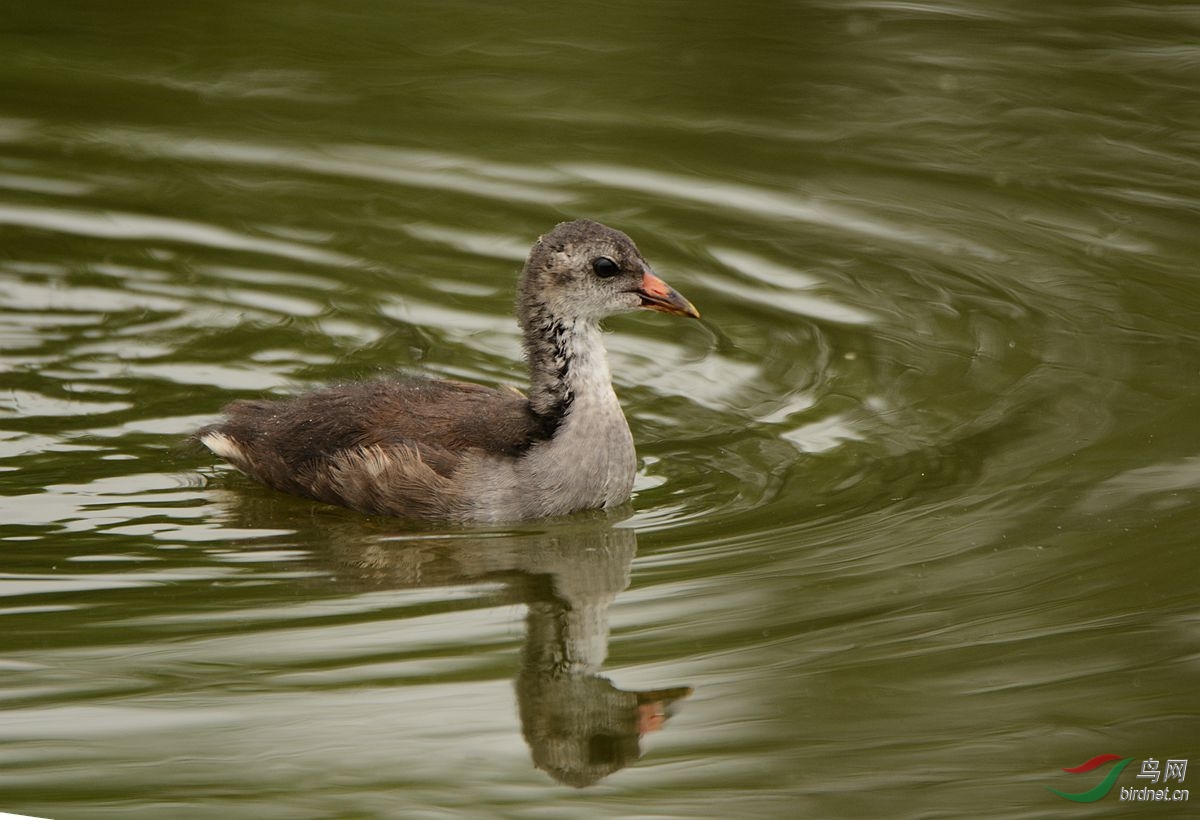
{"type": "Point", "coordinates": [588, 460]}
{"type": "Point", "coordinates": [566, 361]}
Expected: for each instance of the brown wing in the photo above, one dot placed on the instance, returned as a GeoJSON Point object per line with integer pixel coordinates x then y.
{"type": "Point", "coordinates": [441, 420]}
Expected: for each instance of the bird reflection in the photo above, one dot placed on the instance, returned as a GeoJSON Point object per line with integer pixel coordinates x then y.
{"type": "Point", "coordinates": [579, 726]}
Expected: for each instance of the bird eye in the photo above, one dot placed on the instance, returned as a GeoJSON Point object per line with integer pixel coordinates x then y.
{"type": "Point", "coordinates": [603, 266]}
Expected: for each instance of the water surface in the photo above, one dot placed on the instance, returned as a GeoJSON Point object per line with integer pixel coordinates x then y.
{"type": "Point", "coordinates": [914, 524]}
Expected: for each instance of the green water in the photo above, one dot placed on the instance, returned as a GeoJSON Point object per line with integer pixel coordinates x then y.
{"type": "Point", "coordinates": [915, 520]}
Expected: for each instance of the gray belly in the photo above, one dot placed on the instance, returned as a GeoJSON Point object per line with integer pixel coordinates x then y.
{"type": "Point", "coordinates": [589, 463]}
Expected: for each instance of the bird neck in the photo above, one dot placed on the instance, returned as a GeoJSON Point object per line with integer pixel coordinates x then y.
{"type": "Point", "coordinates": [567, 364]}
{"type": "Point", "coordinates": [586, 458]}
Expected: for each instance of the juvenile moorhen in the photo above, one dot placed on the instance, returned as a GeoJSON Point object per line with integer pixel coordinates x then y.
{"type": "Point", "coordinates": [453, 451]}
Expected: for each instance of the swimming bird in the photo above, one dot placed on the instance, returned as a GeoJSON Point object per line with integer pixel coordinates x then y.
{"type": "Point", "coordinates": [453, 451]}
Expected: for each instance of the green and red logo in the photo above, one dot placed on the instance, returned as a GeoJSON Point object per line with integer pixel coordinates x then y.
{"type": "Point", "coordinates": [1104, 786]}
{"type": "Point", "coordinates": [1153, 769]}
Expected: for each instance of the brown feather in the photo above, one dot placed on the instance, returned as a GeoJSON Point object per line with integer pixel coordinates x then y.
{"type": "Point", "coordinates": [308, 445]}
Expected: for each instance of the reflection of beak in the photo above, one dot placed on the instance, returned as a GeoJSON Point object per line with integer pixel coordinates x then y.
{"type": "Point", "coordinates": [658, 295]}
{"type": "Point", "coordinates": [656, 706]}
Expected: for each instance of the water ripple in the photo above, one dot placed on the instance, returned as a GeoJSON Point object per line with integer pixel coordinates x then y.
{"type": "Point", "coordinates": [117, 225]}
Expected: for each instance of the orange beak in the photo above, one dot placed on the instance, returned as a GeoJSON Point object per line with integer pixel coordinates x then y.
{"type": "Point", "coordinates": [658, 295]}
